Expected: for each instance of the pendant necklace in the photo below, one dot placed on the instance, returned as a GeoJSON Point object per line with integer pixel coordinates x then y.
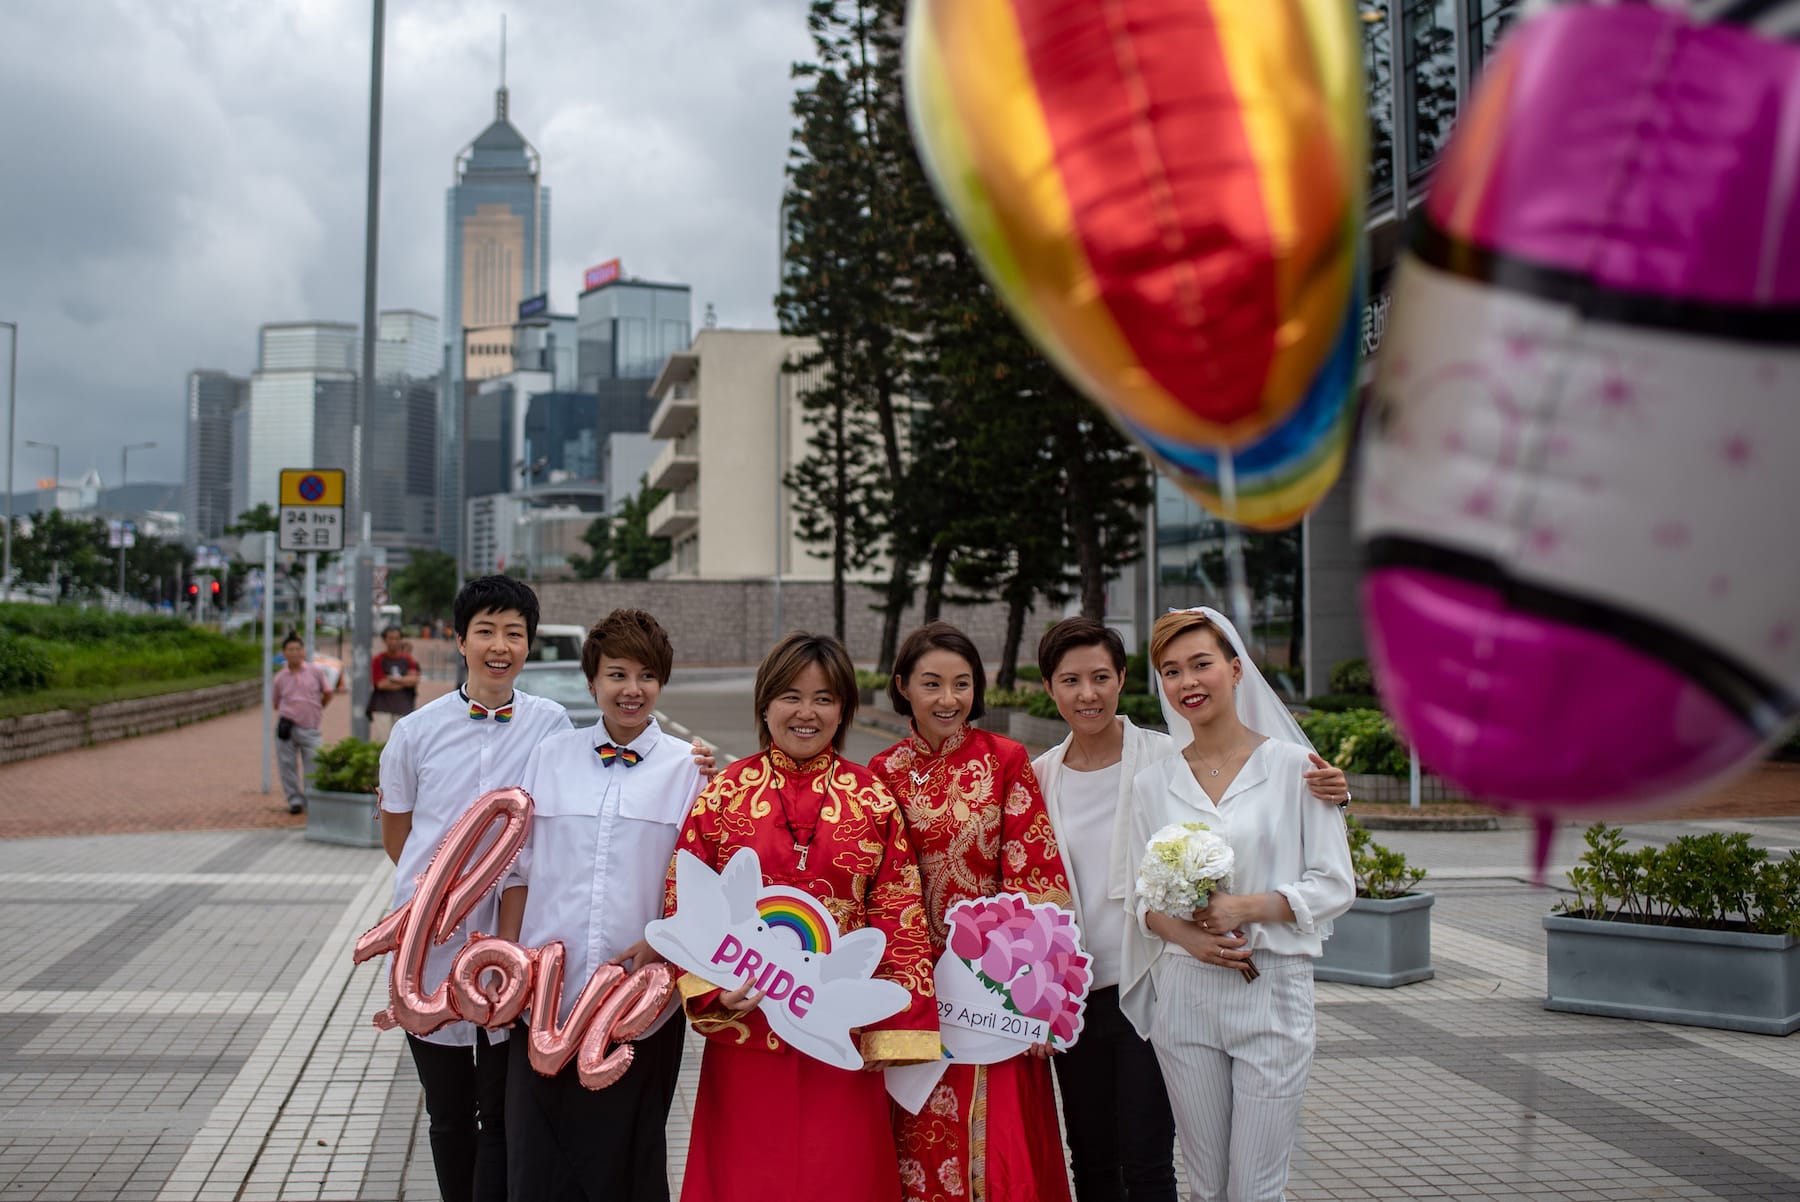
{"type": "Point", "coordinates": [1211, 771]}
{"type": "Point", "coordinates": [803, 850]}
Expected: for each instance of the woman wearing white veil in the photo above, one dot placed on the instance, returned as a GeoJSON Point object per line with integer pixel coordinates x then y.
{"type": "Point", "coordinates": [1234, 1051]}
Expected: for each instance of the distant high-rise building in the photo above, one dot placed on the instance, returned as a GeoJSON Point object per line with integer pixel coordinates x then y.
{"type": "Point", "coordinates": [497, 253]}
{"type": "Point", "coordinates": [403, 469]}
{"type": "Point", "coordinates": [302, 406]}
{"type": "Point", "coordinates": [212, 398]}
{"type": "Point", "coordinates": [627, 328]}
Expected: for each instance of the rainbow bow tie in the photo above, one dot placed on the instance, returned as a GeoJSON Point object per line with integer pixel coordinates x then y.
{"type": "Point", "coordinates": [477, 711]}
{"type": "Point", "coordinates": [625, 755]}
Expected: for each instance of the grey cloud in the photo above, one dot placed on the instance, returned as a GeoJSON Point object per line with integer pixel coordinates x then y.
{"type": "Point", "coordinates": [180, 174]}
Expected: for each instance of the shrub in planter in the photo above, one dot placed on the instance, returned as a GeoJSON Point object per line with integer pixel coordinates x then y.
{"type": "Point", "coordinates": [1362, 741]}
{"type": "Point", "coordinates": [1337, 703]}
{"type": "Point", "coordinates": [1353, 676]}
{"type": "Point", "coordinates": [1703, 931]}
{"type": "Point", "coordinates": [1385, 937]}
{"type": "Point", "coordinates": [340, 806]}
{"type": "Point", "coordinates": [348, 766]}
{"type": "Point", "coordinates": [1713, 881]}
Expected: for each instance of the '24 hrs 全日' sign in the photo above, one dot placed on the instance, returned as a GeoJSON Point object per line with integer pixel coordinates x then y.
{"type": "Point", "coordinates": [312, 509]}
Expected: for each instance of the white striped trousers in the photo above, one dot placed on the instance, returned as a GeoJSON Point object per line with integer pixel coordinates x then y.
{"type": "Point", "coordinates": [1235, 1055]}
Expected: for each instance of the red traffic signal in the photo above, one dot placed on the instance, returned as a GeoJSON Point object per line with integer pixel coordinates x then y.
{"type": "Point", "coordinates": [193, 590]}
{"type": "Point", "coordinates": [215, 586]}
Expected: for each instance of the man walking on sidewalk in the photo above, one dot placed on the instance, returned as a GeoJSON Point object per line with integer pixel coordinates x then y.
{"type": "Point", "coordinates": [301, 693]}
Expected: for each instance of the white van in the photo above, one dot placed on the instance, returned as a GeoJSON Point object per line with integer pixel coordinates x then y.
{"type": "Point", "coordinates": [557, 644]}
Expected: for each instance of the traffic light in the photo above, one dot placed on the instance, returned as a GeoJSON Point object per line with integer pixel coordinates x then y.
{"type": "Point", "coordinates": [215, 588]}
{"type": "Point", "coordinates": [193, 589]}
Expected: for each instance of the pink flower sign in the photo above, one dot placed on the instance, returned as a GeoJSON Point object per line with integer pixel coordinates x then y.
{"type": "Point", "coordinates": [1029, 955]}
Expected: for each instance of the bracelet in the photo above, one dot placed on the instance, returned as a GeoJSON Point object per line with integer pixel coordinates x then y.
{"type": "Point", "coordinates": [1345, 804]}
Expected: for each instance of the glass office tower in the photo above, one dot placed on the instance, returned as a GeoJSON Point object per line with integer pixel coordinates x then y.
{"type": "Point", "coordinates": [496, 253]}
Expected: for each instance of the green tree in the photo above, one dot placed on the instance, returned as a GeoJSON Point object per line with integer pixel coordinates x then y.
{"type": "Point", "coordinates": [263, 519]}
{"type": "Point", "coordinates": [854, 184]}
{"type": "Point", "coordinates": [623, 542]}
{"type": "Point", "coordinates": [426, 587]}
{"type": "Point", "coordinates": [69, 553]}
{"type": "Point", "coordinates": [1272, 569]}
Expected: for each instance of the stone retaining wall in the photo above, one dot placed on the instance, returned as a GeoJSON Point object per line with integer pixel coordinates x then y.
{"type": "Point", "coordinates": [733, 621]}
{"type": "Point", "coordinates": [33, 735]}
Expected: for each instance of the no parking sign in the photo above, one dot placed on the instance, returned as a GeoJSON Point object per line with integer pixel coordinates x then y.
{"type": "Point", "coordinates": [312, 509]}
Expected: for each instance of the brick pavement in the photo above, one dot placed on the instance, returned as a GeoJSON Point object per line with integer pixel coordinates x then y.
{"type": "Point", "coordinates": [205, 776]}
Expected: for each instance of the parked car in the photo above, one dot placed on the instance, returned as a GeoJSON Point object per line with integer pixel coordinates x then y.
{"type": "Point", "coordinates": [564, 683]}
{"type": "Point", "coordinates": [557, 644]}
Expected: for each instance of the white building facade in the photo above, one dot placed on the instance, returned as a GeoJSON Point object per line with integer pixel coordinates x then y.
{"type": "Point", "coordinates": [729, 425]}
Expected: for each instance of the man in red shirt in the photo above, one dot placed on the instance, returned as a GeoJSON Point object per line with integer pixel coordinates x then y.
{"type": "Point", "coordinates": [301, 693]}
{"type": "Point", "coordinates": [396, 686]}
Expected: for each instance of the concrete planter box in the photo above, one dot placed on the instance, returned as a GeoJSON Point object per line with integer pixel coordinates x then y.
{"type": "Point", "coordinates": [1380, 941]}
{"type": "Point", "coordinates": [349, 819]}
{"type": "Point", "coordinates": [1700, 978]}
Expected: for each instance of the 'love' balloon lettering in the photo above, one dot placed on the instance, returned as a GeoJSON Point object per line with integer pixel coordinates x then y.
{"type": "Point", "coordinates": [492, 981]}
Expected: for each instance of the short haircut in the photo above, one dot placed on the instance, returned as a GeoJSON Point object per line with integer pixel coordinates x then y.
{"type": "Point", "coordinates": [936, 636]}
{"type": "Point", "coordinates": [293, 636]}
{"type": "Point", "coordinates": [495, 594]}
{"type": "Point", "coordinates": [1079, 631]}
{"type": "Point", "coordinates": [782, 666]}
{"type": "Point", "coordinates": [629, 634]}
{"type": "Point", "coordinates": [1176, 623]}
{"type": "Point", "coordinates": [387, 630]}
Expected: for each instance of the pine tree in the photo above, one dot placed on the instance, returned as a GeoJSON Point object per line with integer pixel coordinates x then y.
{"type": "Point", "coordinates": [622, 542]}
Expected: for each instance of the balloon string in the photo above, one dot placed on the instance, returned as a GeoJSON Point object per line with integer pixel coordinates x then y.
{"type": "Point", "coordinates": [1544, 830]}
{"type": "Point", "coordinates": [1237, 580]}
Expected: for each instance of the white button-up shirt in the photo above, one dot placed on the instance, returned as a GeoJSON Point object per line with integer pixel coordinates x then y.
{"type": "Point", "coordinates": [601, 840]}
{"type": "Point", "coordinates": [436, 763]}
{"type": "Point", "coordinates": [1282, 838]}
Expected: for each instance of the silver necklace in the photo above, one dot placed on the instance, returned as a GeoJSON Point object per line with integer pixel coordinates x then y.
{"type": "Point", "coordinates": [1211, 771]}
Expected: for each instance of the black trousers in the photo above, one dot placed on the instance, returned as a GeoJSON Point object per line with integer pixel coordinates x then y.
{"type": "Point", "coordinates": [465, 1097]}
{"type": "Point", "coordinates": [1116, 1110]}
{"type": "Point", "coordinates": [568, 1143]}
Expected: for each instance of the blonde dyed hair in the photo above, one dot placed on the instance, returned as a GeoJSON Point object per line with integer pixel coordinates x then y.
{"type": "Point", "coordinates": [1173, 625]}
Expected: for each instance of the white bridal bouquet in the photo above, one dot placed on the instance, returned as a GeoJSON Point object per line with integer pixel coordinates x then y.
{"type": "Point", "coordinates": [1182, 867]}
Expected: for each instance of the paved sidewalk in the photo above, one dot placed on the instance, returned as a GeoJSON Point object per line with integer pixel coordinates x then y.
{"type": "Point", "coordinates": [181, 1021]}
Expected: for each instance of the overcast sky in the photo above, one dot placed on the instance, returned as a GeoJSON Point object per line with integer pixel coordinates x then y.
{"type": "Point", "coordinates": [176, 174]}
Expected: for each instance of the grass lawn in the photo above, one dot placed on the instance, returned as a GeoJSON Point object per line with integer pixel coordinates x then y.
{"type": "Point", "coordinates": [85, 697]}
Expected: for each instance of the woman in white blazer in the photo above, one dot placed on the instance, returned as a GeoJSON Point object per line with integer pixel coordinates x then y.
{"type": "Point", "coordinates": [1234, 1051]}
{"type": "Point", "coordinates": [1115, 1111]}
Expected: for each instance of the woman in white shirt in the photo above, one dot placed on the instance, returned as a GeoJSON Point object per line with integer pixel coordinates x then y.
{"type": "Point", "coordinates": [1115, 1111]}
{"type": "Point", "coordinates": [610, 801]}
{"type": "Point", "coordinates": [1235, 1051]}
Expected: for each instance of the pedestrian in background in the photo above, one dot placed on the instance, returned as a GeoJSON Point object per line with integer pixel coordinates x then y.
{"type": "Point", "coordinates": [301, 692]}
{"type": "Point", "coordinates": [396, 690]}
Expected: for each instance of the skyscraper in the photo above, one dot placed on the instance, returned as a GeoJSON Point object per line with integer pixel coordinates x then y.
{"type": "Point", "coordinates": [302, 404]}
{"type": "Point", "coordinates": [212, 398]}
{"type": "Point", "coordinates": [403, 468]}
{"type": "Point", "coordinates": [496, 253]}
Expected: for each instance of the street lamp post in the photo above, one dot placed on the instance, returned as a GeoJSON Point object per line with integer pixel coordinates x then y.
{"type": "Point", "coordinates": [124, 478]}
{"type": "Point", "coordinates": [55, 466]}
{"type": "Point", "coordinates": [12, 396]}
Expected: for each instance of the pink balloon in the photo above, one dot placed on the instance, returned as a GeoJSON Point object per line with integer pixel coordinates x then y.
{"type": "Point", "coordinates": [460, 874]}
{"type": "Point", "coordinates": [490, 980]}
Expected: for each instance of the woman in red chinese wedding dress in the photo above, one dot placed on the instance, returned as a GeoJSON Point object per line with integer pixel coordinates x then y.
{"type": "Point", "coordinates": [988, 1132]}
{"type": "Point", "coordinates": [769, 1121]}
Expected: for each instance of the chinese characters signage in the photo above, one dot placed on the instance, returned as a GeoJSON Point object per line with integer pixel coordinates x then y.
{"type": "Point", "coordinates": [312, 509]}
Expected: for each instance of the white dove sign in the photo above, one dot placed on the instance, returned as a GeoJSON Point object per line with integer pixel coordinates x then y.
{"type": "Point", "coordinates": [729, 928]}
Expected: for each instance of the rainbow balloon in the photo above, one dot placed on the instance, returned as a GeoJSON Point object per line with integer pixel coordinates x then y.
{"type": "Point", "coordinates": [1168, 195]}
{"type": "Point", "coordinates": [1577, 491]}
{"type": "Point", "coordinates": [798, 914]}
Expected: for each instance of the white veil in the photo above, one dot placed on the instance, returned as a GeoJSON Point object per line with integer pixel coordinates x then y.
{"type": "Point", "coordinates": [1258, 706]}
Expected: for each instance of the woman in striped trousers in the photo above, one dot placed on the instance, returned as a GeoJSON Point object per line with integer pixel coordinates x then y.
{"type": "Point", "coordinates": [1234, 1048]}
